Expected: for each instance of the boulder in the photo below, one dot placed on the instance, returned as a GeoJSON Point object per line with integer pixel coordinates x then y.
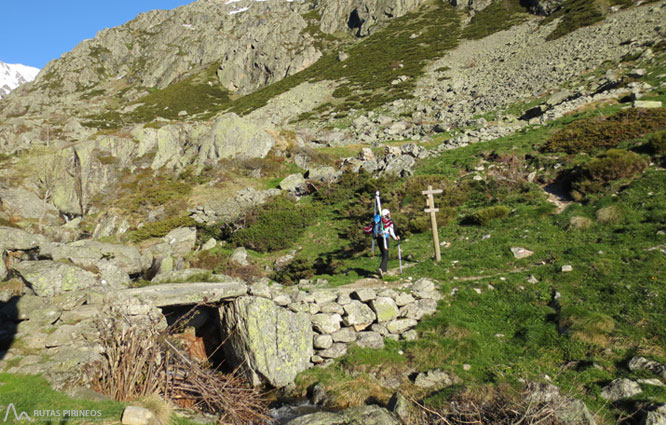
{"type": "Point", "coordinates": [400, 325]}
{"type": "Point", "coordinates": [567, 410]}
{"type": "Point", "coordinates": [419, 309]}
{"type": "Point", "coordinates": [364, 295]}
{"type": "Point", "coordinates": [326, 323]}
{"type": "Point", "coordinates": [134, 415]}
{"type": "Point", "coordinates": [110, 224]}
{"type": "Point", "coordinates": [24, 203]}
{"type": "Point", "coordinates": [620, 389]}
{"type": "Point", "coordinates": [293, 183]}
{"type": "Point", "coordinates": [641, 363]}
{"type": "Point", "coordinates": [178, 294]}
{"type": "Point", "coordinates": [91, 253]}
{"type": "Point", "coordinates": [322, 174]}
{"type": "Point", "coordinates": [269, 343]}
{"type": "Point", "coordinates": [49, 278]}
{"type": "Point", "coordinates": [647, 104]}
{"type": "Point", "coordinates": [322, 342]}
{"type": "Point", "coordinates": [433, 379]}
{"type": "Point", "coordinates": [656, 415]}
{"type": "Point", "coordinates": [345, 335]}
{"type": "Point", "coordinates": [3, 267]}
{"type": "Point", "coordinates": [182, 240]}
{"type": "Point", "coordinates": [358, 315]}
{"type": "Point", "coordinates": [338, 349]}
{"type": "Point", "coordinates": [239, 256]}
{"type": "Point", "coordinates": [519, 252]}
{"type": "Point", "coordinates": [367, 415]}
{"type": "Point", "coordinates": [385, 308]}
{"type": "Point", "coordinates": [17, 239]}
{"type": "Point", "coordinates": [370, 340]}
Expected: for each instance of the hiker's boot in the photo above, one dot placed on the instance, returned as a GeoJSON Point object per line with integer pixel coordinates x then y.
{"type": "Point", "coordinates": [380, 273]}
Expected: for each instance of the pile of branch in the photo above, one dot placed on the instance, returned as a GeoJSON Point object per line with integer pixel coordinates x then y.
{"type": "Point", "coordinates": [139, 359]}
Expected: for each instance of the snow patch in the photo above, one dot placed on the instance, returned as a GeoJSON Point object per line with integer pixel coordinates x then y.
{"type": "Point", "coordinates": [13, 75]}
{"type": "Point", "coordinates": [242, 9]}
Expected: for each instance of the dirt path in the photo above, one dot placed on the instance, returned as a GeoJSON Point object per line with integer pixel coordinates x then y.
{"type": "Point", "coordinates": [558, 196]}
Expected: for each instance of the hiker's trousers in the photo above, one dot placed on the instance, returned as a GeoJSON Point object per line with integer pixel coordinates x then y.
{"type": "Point", "coordinates": [385, 254]}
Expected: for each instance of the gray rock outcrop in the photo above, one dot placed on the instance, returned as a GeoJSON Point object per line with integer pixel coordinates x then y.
{"type": "Point", "coordinates": [50, 278]}
{"type": "Point", "coordinates": [620, 389]}
{"type": "Point", "coordinates": [271, 343]}
{"type": "Point", "coordinates": [370, 415]}
{"type": "Point", "coordinates": [88, 253]}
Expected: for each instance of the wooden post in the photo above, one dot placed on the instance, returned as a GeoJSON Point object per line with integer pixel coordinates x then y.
{"type": "Point", "coordinates": [430, 202]}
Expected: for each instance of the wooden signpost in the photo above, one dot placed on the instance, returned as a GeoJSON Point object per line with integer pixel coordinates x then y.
{"type": "Point", "coordinates": [430, 202]}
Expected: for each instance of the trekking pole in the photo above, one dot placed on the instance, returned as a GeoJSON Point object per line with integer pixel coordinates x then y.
{"type": "Point", "coordinates": [379, 208]}
{"type": "Point", "coordinates": [400, 256]}
{"type": "Point", "coordinates": [373, 225]}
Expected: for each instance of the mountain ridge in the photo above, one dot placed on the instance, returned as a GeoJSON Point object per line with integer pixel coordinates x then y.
{"type": "Point", "coordinates": [14, 75]}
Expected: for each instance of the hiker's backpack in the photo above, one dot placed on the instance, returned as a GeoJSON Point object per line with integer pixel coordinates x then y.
{"type": "Point", "coordinates": [375, 228]}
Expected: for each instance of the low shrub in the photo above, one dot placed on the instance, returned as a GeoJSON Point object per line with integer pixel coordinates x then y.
{"type": "Point", "coordinates": [274, 225]}
{"type": "Point", "coordinates": [596, 175]}
{"type": "Point", "coordinates": [486, 215]}
{"type": "Point", "coordinates": [299, 268]}
{"type": "Point", "coordinates": [160, 228]}
{"type": "Point", "coordinates": [610, 215]}
{"type": "Point", "coordinates": [422, 223]}
{"type": "Point", "coordinates": [657, 147]}
{"type": "Point", "coordinates": [587, 326]}
{"type": "Point", "coordinates": [592, 133]}
{"type": "Point", "coordinates": [580, 223]}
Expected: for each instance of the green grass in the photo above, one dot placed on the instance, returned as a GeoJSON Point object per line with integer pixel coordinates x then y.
{"type": "Point", "coordinates": [610, 304]}
{"type": "Point", "coordinates": [32, 393]}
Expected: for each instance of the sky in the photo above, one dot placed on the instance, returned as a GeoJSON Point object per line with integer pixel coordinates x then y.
{"type": "Point", "coordinates": [34, 32]}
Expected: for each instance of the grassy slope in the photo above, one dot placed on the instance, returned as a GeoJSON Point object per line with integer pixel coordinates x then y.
{"type": "Point", "coordinates": [612, 301]}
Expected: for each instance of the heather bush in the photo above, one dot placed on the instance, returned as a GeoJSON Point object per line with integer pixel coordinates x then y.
{"type": "Point", "coordinates": [274, 225]}
{"type": "Point", "coordinates": [486, 215]}
{"type": "Point", "coordinates": [596, 175]}
{"type": "Point", "coordinates": [596, 132]}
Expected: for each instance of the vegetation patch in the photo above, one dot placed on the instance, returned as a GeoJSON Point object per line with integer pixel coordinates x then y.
{"type": "Point", "coordinates": [601, 131]}
{"type": "Point", "coordinates": [160, 228]}
{"type": "Point", "coordinates": [499, 16]}
{"type": "Point", "coordinates": [33, 393]}
{"type": "Point", "coordinates": [273, 225]}
{"type": "Point", "coordinates": [597, 175]}
{"type": "Point", "coordinates": [486, 215]}
{"type": "Point", "coordinates": [577, 14]}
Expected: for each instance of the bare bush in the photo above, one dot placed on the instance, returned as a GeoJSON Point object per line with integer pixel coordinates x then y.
{"type": "Point", "coordinates": [499, 407]}
{"type": "Point", "coordinates": [141, 358]}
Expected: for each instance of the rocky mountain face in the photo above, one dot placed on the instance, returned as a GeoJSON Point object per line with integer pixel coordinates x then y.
{"type": "Point", "coordinates": [13, 75]}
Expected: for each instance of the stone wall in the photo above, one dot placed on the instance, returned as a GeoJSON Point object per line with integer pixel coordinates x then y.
{"type": "Point", "coordinates": [342, 317]}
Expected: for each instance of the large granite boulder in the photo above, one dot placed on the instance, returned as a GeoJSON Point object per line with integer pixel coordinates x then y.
{"type": "Point", "coordinates": [24, 203]}
{"type": "Point", "coordinates": [91, 253]}
{"type": "Point", "coordinates": [17, 239]}
{"type": "Point", "coordinates": [270, 343]}
{"type": "Point", "coordinates": [49, 278]}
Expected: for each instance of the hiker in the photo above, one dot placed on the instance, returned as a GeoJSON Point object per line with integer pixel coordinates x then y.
{"type": "Point", "coordinates": [383, 241]}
